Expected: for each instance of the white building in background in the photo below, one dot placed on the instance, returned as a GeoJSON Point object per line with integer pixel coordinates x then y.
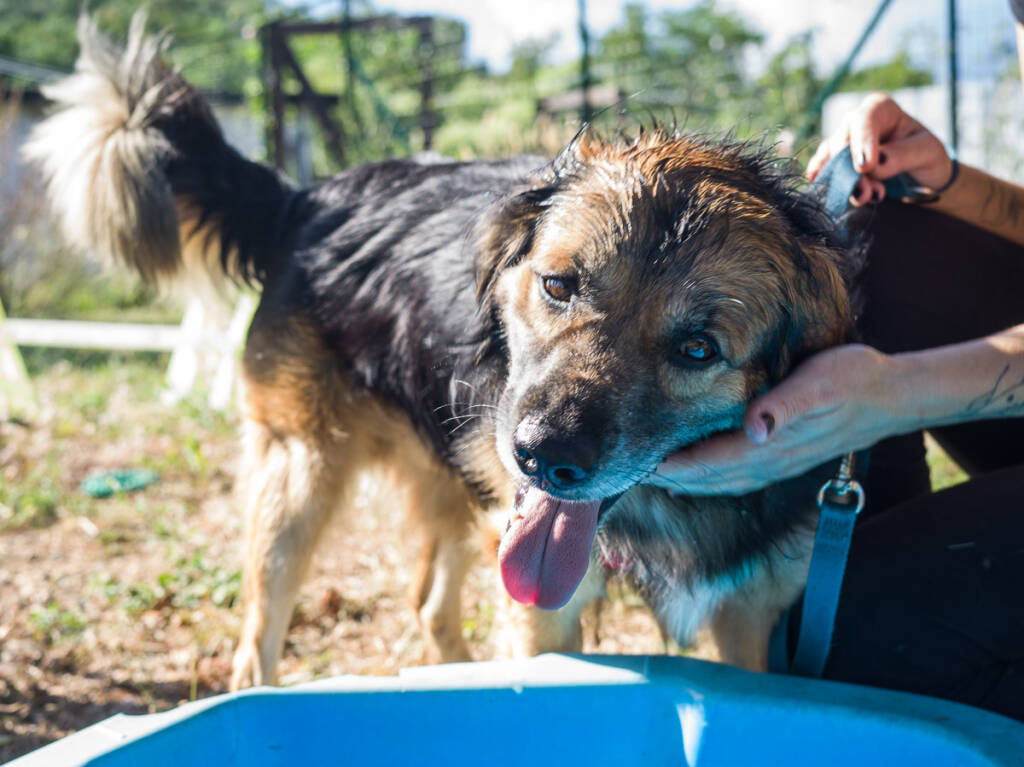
{"type": "Point", "coordinates": [991, 121]}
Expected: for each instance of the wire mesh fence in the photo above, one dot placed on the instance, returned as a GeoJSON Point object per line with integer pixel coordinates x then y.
{"type": "Point", "coordinates": [395, 91]}
{"type": "Point", "coordinates": [396, 85]}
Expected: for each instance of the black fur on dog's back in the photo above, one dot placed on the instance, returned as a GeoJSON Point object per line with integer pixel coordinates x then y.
{"type": "Point", "coordinates": [389, 260]}
{"type": "Point", "coordinates": [380, 258]}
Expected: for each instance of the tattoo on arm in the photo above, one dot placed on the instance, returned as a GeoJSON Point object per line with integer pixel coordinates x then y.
{"type": "Point", "coordinates": [1003, 206]}
{"type": "Point", "coordinates": [1002, 399]}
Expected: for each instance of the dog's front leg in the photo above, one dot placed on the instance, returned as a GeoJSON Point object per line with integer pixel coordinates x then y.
{"type": "Point", "coordinates": [738, 634]}
{"type": "Point", "coordinates": [740, 628]}
{"type": "Point", "coordinates": [442, 508]}
{"type": "Point", "coordinates": [525, 631]}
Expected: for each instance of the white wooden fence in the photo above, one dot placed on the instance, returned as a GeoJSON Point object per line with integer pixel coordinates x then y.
{"type": "Point", "coordinates": [205, 344]}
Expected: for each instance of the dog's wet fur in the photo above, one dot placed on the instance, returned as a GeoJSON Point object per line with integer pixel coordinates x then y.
{"type": "Point", "coordinates": [408, 325]}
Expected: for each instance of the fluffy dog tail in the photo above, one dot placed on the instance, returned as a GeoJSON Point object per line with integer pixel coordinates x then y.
{"type": "Point", "coordinates": [137, 168]}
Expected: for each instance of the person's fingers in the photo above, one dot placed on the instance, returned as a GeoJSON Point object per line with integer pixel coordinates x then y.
{"type": "Point", "coordinates": [791, 399]}
{"type": "Point", "coordinates": [877, 190]}
{"type": "Point", "coordinates": [818, 161]}
{"type": "Point", "coordinates": [828, 149]}
{"type": "Point", "coordinates": [921, 155]}
{"type": "Point", "coordinates": [867, 192]}
{"type": "Point", "coordinates": [695, 462]}
{"type": "Point", "coordinates": [863, 142]}
{"type": "Point", "coordinates": [861, 194]}
{"type": "Point", "coordinates": [877, 118]}
{"type": "Point", "coordinates": [699, 470]}
{"type": "Point", "coordinates": [764, 416]}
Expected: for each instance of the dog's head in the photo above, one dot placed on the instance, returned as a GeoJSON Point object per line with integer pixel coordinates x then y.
{"type": "Point", "coordinates": [647, 291]}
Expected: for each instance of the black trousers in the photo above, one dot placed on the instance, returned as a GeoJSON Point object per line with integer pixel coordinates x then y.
{"type": "Point", "coordinates": [933, 600]}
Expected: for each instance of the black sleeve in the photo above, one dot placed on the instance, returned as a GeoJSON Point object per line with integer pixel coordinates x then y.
{"type": "Point", "coordinates": [1017, 6]}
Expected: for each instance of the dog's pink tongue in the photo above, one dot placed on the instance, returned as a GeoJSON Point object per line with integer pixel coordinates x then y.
{"type": "Point", "coordinates": [545, 553]}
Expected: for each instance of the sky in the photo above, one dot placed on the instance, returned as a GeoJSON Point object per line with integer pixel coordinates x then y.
{"type": "Point", "coordinates": [918, 25]}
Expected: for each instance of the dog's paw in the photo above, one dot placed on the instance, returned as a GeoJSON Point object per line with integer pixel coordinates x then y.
{"type": "Point", "coordinates": [444, 647]}
{"type": "Point", "coordinates": [246, 669]}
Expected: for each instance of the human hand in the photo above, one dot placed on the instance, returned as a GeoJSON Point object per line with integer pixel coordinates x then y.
{"type": "Point", "coordinates": [884, 142]}
{"type": "Point", "coordinates": [839, 400]}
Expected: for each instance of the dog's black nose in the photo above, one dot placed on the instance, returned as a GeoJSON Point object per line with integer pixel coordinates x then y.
{"type": "Point", "coordinates": [564, 463]}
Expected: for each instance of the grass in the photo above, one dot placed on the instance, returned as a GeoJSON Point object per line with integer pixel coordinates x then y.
{"type": "Point", "coordinates": [944, 471]}
{"type": "Point", "coordinates": [190, 582]}
{"type": "Point", "coordinates": [54, 623]}
{"type": "Point", "coordinates": [83, 400]}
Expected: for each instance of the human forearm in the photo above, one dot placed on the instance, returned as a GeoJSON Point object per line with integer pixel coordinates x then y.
{"type": "Point", "coordinates": [847, 398]}
{"type": "Point", "coordinates": [974, 380]}
{"type": "Point", "coordinates": [987, 202]}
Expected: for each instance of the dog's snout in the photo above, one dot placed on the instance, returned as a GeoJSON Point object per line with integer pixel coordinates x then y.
{"type": "Point", "coordinates": [563, 462]}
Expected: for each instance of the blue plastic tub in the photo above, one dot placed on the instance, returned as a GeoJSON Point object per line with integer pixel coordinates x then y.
{"type": "Point", "coordinates": [553, 710]}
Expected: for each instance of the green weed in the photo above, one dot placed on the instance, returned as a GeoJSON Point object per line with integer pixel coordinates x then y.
{"type": "Point", "coordinates": [53, 623]}
{"type": "Point", "coordinates": [479, 621]}
{"type": "Point", "coordinates": [191, 583]}
{"type": "Point", "coordinates": [33, 503]}
{"type": "Point", "coordinates": [944, 471]}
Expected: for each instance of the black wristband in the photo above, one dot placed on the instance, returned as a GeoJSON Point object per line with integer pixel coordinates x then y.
{"type": "Point", "coordinates": [952, 177]}
{"type": "Point", "coordinates": [928, 195]}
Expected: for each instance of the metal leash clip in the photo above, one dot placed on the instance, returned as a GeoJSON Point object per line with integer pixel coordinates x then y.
{"type": "Point", "coordinates": [837, 491]}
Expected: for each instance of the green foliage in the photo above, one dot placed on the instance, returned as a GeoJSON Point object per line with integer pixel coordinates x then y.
{"type": "Point", "coordinates": [213, 37]}
{"type": "Point", "coordinates": [897, 72]}
{"type": "Point", "coordinates": [191, 582]}
{"type": "Point", "coordinates": [53, 623]}
{"type": "Point", "coordinates": [690, 63]}
{"type": "Point", "coordinates": [529, 57]}
{"type": "Point", "coordinates": [33, 502]}
{"type": "Point", "coordinates": [377, 76]}
{"type": "Point", "coordinates": [789, 84]}
{"type": "Point", "coordinates": [943, 470]}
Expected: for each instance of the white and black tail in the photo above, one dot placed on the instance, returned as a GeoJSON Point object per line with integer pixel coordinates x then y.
{"type": "Point", "coordinates": [137, 168]}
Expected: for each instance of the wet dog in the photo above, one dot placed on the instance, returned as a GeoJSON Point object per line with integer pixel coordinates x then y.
{"type": "Point", "coordinates": [522, 335]}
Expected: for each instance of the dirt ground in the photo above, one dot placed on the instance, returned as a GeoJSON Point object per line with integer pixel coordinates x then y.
{"type": "Point", "coordinates": [130, 603]}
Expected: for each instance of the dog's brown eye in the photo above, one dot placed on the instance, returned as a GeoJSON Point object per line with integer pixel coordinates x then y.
{"type": "Point", "coordinates": [559, 288]}
{"type": "Point", "coordinates": [698, 348]}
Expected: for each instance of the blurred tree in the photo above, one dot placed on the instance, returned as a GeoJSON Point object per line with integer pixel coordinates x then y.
{"type": "Point", "coordinates": [623, 55]}
{"type": "Point", "coordinates": [897, 72]}
{"type": "Point", "coordinates": [529, 57]}
{"type": "Point", "coordinates": [695, 65]}
{"type": "Point", "coordinates": [692, 61]}
{"type": "Point", "coordinates": [380, 99]}
{"type": "Point", "coordinates": [786, 89]}
{"type": "Point", "coordinates": [211, 35]}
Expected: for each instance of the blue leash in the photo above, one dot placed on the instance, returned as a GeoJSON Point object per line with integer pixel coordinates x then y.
{"type": "Point", "coordinates": [841, 499]}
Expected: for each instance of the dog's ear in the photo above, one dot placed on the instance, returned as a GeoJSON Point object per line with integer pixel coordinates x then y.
{"type": "Point", "coordinates": [816, 310]}
{"type": "Point", "coordinates": [506, 234]}
{"type": "Point", "coordinates": [816, 271]}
